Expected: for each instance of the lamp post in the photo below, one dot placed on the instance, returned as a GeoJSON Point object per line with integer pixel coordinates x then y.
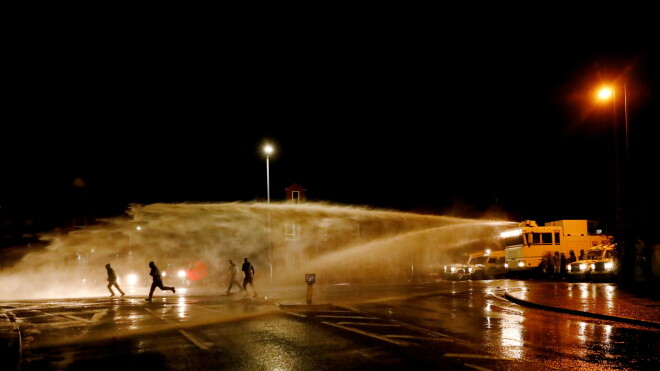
{"type": "Point", "coordinates": [268, 150]}
{"type": "Point", "coordinates": [622, 168]}
{"type": "Point", "coordinates": [607, 93]}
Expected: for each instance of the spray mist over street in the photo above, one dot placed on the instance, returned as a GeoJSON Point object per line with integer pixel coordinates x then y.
{"type": "Point", "coordinates": [282, 240]}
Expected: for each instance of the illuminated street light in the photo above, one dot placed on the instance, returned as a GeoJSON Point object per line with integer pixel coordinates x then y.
{"type": "Point", "coordinates": [607, 93]}
{"type": "Point", "coordinates": [268, 150]}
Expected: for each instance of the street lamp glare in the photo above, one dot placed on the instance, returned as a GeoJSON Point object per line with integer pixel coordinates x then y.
{"type": "Point", "coordinates": [604, 93]}
{"type": "Point", "coordinates": [268, 149]}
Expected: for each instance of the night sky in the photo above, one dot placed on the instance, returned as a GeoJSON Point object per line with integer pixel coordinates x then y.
{"type": "Point", "coordinates": [428, 124]}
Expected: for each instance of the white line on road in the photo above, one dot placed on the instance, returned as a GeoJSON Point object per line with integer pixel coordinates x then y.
{"type": "Point", "coordinates": [477, 356]}
{"type": "Point", "coordinates": [368, 324]}
{"type": "Point", "coordinates": [402, 343]}
{"type": "Point", "coordinates": [194, 340]}
{"type": "Point", "coordinates": [476, 367]}
{"type": "Point", "coordinates": [200, 344]}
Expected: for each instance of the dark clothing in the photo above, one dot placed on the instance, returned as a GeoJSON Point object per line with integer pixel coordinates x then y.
{"type": "Point", "coordinates": [248, 270]}
{"type": "Point", "coordinates": [112, 277]}
{"type": "Point", "coordinates": [572, 258]}
{"type": "Point", "coordinates": [155, 274]}
{"type": "Point", "coordinates": [112, 281]}
{"type": "Point", "coordinates": [157, 281]}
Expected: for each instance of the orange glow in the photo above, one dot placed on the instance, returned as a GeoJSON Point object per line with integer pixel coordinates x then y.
{"type": "Point", "coordinates": [605, 93]}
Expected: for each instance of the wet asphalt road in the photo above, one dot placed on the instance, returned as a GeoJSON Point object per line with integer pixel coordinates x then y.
{"type": "Point", "coordinates": [433, 325]}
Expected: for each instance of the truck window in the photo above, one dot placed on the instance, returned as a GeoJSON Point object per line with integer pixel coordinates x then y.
{"type": "Point", "coordinates": [542, 238]}
{"type": "Point", "coordinates": [513, 241]}
{"type": "Point", "coordinates": [557, 240]}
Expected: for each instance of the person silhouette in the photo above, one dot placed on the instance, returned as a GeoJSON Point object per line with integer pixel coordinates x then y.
{"type": "Point", "coordinates": [233, 271]}
{"type": "Point", "coordinates": [157, 281]}
{"type": "Point", "coordinates": [582, 255]}
{"type": "Point", "coordinates": [248, 270]}
{"type": "Point", "coordinates": [112, 280]}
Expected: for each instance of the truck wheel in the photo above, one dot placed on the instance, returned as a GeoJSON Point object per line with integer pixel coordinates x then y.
{"type": "Point", "coordinates": [459, 275]}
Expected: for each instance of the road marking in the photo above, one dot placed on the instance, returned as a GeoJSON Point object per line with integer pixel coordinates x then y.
{"type": "Point", "coordinates": [297, 314]}
{"type": "Point", "coordinates": [368, 324]}
{"type": "Point", "coordinates": [200, 344]}
{"type": "Point", "coordinates": [76, 319]}
{"type": "Point", "coordinates": [476, 367]}
{"type": "Point", "coordinates": [154, 313]}
{"type": "Point", "coordinates": [98, 315]}
{"type": "Point", "coordinates": [194, 340]}
{"type": "Point", "coordinates": [402, 343]}
{"type": "Point", "coordinates": [419, 338]}
{"type": "Point", "coordinates": [475, 356]}
{"type": "Point", "coordinates": [347, 317]}
{"type": "Point", "coordinates": [420, 329]}
{"type": "Point", "coordinates": [212, 310]}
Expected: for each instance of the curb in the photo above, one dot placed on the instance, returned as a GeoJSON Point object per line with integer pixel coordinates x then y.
{"type": "Point", "coordinates": [581, 313]}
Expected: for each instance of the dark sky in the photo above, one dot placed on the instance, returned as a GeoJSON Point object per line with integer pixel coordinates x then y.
{"type": "Point", "coordinates": [414, 122]}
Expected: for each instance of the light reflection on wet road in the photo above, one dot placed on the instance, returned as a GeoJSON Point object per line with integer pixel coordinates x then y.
{"type": "Point", "coordinates": [475, 312]}
{"type": "Point", "coordinates": [214, 330]}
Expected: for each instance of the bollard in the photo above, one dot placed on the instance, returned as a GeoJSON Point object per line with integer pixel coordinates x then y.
{"type": "Point", "coordinates": [310, 279]}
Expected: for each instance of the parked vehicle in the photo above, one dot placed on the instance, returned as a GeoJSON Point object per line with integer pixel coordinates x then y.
{"type": "Point", "coordinates": [459, 271]}
{"type": "Point", "coordinates": [528, 247]}
{"type": "Point", "coordinates": [484, 264]}
{"type": "Point", "coordinates": [489, 266]}
{"type": "Point", "coordinates": [600, 263]}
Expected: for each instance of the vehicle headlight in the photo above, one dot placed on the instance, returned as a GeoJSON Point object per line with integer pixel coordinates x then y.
{"type": "Point", "coordinates": [592, 266]}
{"type": "Point", "coordinates": [470, 270]}
{"type": "Point", "coordinates": [445, 268]}
{"type": "Point", "coordinates": [506, 265]}
{"type": "Point", "coordinates": [609, 266]}
{"type": "Point", "coordinates": [569, 268]}
{"type": "Point", "coordinates": [164, 274]}
{"type": "Point", "coordinates": [181, 273]}
{"type": "Point", "coordinates": [583, 267]}
{"type": "Point", "coordinates": [521, 264]}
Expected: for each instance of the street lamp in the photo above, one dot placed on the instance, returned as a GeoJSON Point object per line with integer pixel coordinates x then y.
{"type": "Point", "coordinates": [607, 93]}
{"type": "Point", "coordinates": [268, 150]}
